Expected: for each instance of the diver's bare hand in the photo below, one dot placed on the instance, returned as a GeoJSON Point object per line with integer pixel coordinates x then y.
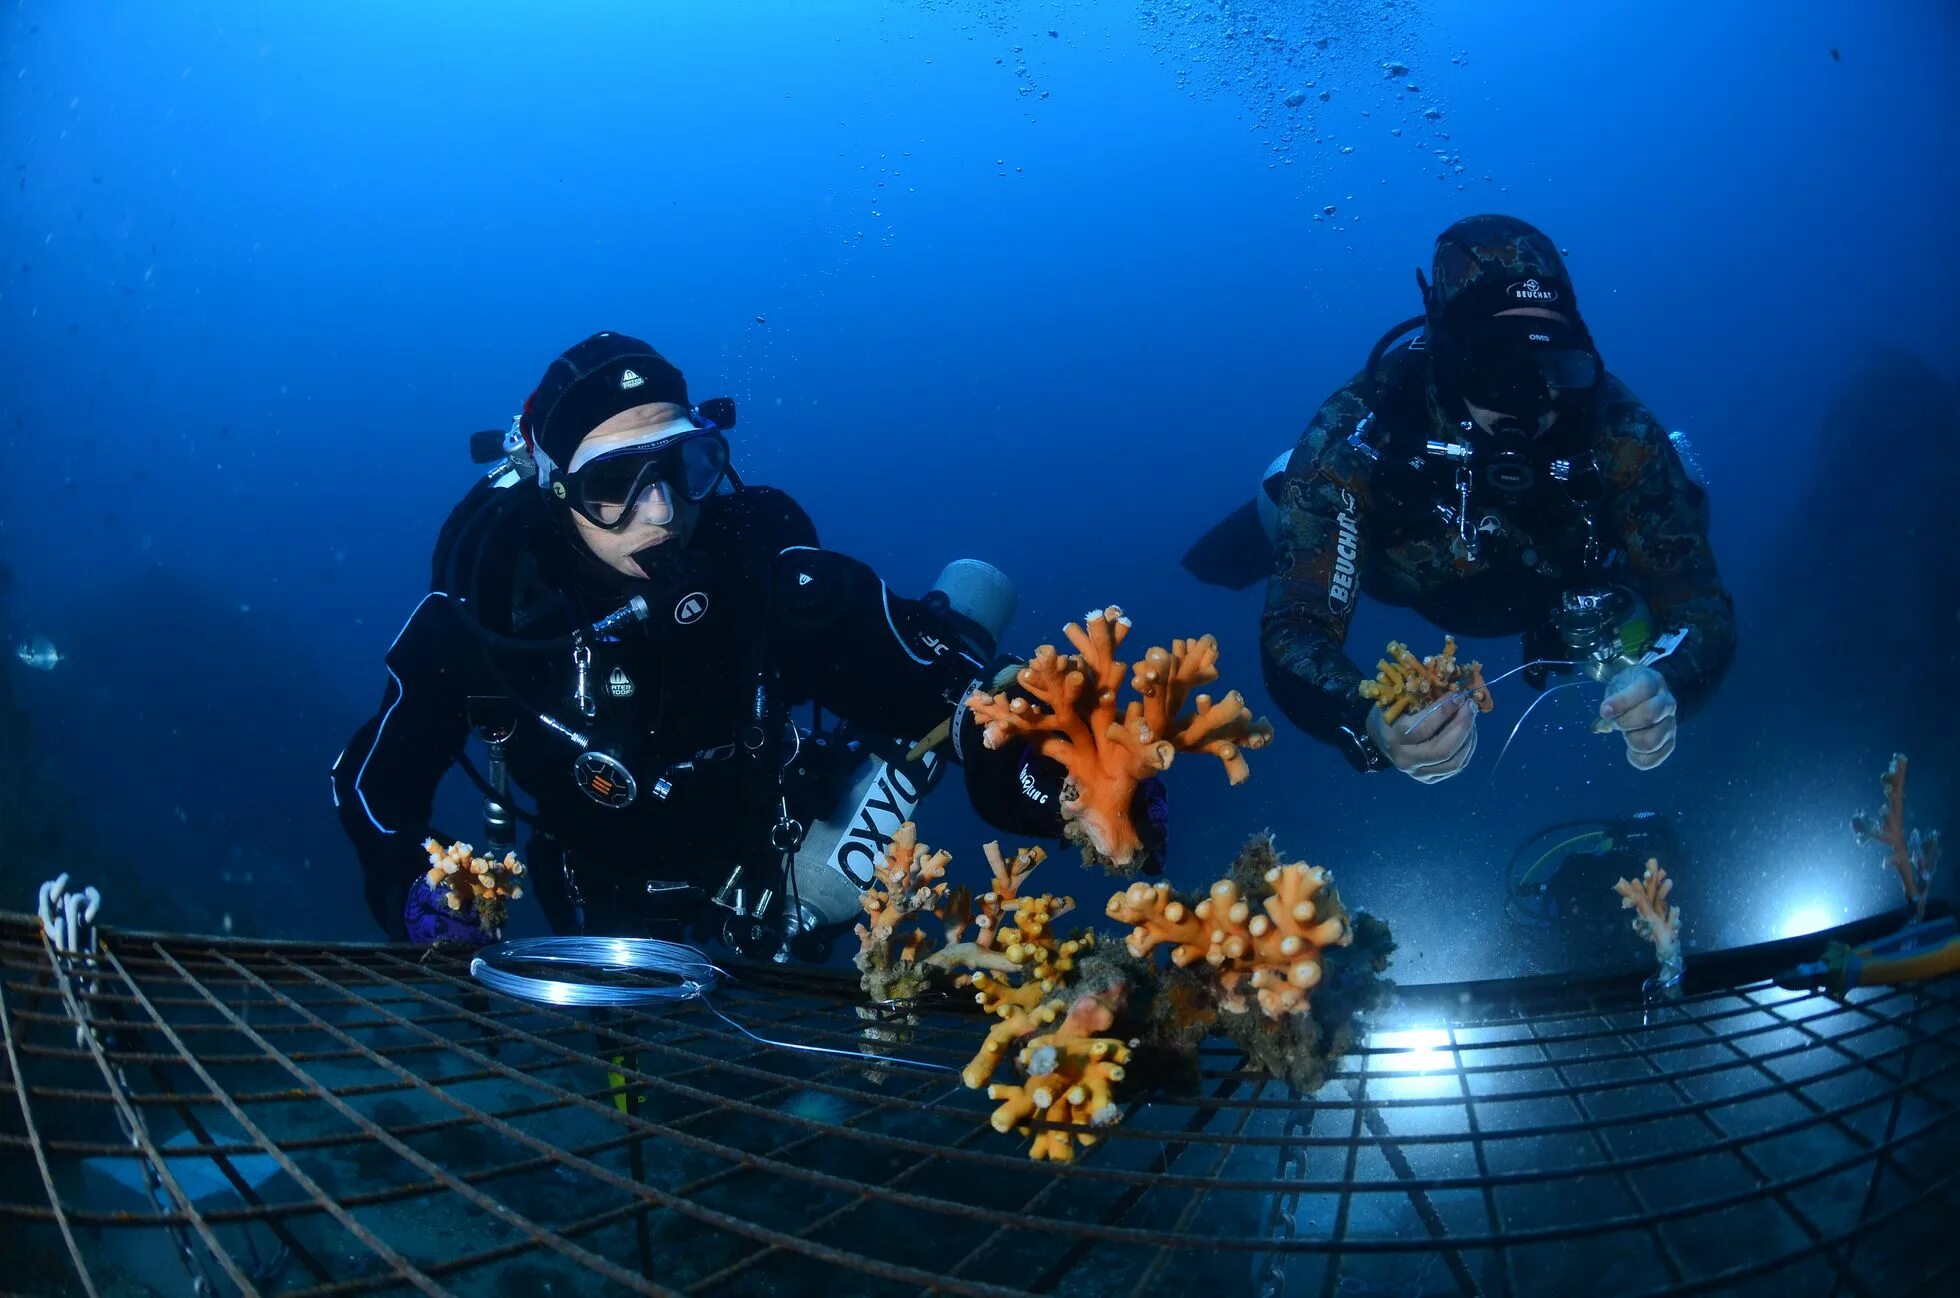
{"type": "Point", "coordinates": [1431, 745]}
{"type": "Point", "coordinates": [1641, 707]}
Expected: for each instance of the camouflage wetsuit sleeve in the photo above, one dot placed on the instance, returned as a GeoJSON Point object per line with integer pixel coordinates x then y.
{"type": "Point", "coordinates": [1659, 516]}
{"type": "Point", "coordinates": [1316, 577]}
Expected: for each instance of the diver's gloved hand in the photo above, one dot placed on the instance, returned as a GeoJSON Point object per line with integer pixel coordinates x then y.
{"type": "Point", "coordinates": [1641, 707]}
{"type": "Point", "coordinates": [1428, 745]}
{"type": "Point", "coordinates": [430, 920]}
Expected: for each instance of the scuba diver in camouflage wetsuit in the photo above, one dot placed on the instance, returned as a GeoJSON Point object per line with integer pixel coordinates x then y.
{"type": "Point", "coordinates": [1491, 475]}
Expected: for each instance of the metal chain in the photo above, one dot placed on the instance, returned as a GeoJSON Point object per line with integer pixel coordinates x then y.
{"type": "Point", "coordinates": [68, 919]}
{"type": "Point", "coordinates": [1269, 1268]}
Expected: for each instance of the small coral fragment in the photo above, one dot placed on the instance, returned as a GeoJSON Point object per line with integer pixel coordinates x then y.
{"type": "Point", "coordinates": [1406, 683]}
{"type": "Point", "coordinates": [1656, 921]}
{"type": "Point", "coordinates": [1025, 995]}
{"type": "Point", "coordinates": [1913, 856]}
{"type": "Point", "coordinates": [896, 956]}
{"type": "Point", "coordinates": [482, 883]}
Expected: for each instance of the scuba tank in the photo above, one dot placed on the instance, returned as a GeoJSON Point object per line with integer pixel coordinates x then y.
{"type": "Point", "coordinates": [838, 857]}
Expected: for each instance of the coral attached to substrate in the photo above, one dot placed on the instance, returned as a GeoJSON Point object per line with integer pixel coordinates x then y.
{"type": "Point", "coordinates": [1275, 949]}
{"type": "Point", "coordinates": [1275, 929]}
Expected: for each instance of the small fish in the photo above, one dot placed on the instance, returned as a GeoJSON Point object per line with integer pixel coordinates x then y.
{"type": "Point", "coordinates": [39, 653]}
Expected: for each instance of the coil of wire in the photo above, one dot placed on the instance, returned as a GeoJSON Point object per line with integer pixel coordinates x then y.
{"type": "Point", "coordinates": [654, 970]}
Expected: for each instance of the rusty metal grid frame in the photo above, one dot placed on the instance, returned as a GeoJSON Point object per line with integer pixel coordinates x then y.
{"type": "Point", "coordinates": [415, 1133]}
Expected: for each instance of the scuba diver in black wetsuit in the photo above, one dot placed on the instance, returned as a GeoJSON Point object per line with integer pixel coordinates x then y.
{"type": "Point", "coordinates": [628, 627]}
{"type": "Point", "coordinates": [1494, 477]}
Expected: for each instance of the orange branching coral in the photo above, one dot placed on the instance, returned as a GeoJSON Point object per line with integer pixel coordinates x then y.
{"type": "Point", "coordinates": [1072, 1074]}
{"type": "Point", "coordinates": [896, 955]}
{"type": "Point", "coordinates": [484, 883]}
{"type": "Point", "coordinates": [1276, 949]}
{"type": "Point", "coordinates": [1914, 856]}
{"type": "Point", "coordinates": [1406, 683]}
{"type": "Point", "coordinates": [1653, 918]}
{"type": "Point", "coordinates": [1075, 715]}
{"type": "Point", "coordinates": [910, 882]}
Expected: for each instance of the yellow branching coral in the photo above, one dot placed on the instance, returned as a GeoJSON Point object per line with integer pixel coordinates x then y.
{"type": "Point", "coordinates": [1653, 918]}
{"type": "Point", "coordinates": [1072, 1074]}
{"type": "Point", "coordinates": [1016, 1021]}
{"type": "Point", "coordinates": [1275, 949]}
{"type": "Point", "coordinates": [1074, 717]}
{"type": "Point", "coordinates": [1039, 965]}
{"type": "Point", "coordinates": [481, 882]}
{"type": "Point", "coordinates": [1015, 963]}
{"type": "Point", "coordinates": [993, 905]}
{"type": "Point", "coordinates": [1031, 942]}
{"type": "Point", "coordinates": [1406, 683]}
{"type": "Point", "coordinates": [1912, 855]}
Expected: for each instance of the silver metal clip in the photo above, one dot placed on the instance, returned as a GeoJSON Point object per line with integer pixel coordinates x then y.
{"type": "Point", "coordinates": [582, 659]}
{"type": "Point", "coordinates": [1466, 530]}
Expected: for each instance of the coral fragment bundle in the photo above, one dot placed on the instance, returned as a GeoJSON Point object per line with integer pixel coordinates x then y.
{"type": "Point", "coordinates": [1406, 683]}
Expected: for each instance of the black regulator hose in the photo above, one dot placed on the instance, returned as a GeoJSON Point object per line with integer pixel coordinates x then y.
{"type": "Point", "coordinates": [465, 582]}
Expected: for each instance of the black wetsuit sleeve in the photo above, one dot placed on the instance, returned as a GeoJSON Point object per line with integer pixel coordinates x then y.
{"type": "Point", "coordinates": [893, 666]}
{"type": "Point", "coordinates": [384, 781]}
{"type": "Point", "coordinates": [1316, 579]}
{"type": "Point", "coordinates": [1660, 519]}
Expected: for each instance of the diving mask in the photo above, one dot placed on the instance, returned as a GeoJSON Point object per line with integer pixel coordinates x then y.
{"type": "Point", "coordinates": [681, 460]}
{"type": "Point", "coordinates": [1524, 367]}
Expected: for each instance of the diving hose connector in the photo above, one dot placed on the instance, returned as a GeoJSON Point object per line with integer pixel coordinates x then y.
{"type": "Point", "coordinates": [600, 775]}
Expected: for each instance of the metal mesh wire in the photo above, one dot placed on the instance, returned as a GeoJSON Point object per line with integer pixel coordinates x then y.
{"type": "Point", "coordinates": [267, 1118]}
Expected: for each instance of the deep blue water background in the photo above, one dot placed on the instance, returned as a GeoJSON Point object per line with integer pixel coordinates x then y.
{"type": "Point", "coordinates": [1041, 284]}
